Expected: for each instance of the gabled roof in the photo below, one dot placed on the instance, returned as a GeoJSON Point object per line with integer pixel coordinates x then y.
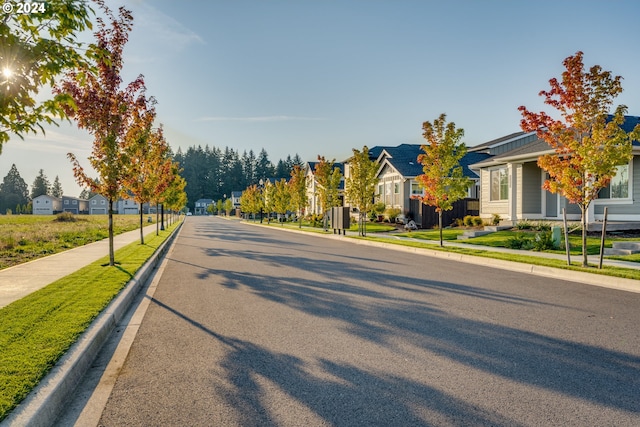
{"type": "Point", "coordinates": [404, 158]}
{"type": "Point", "coordinates": [497, 141]}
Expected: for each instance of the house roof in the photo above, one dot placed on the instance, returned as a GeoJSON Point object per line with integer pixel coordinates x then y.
{"type": "Point", "coordinates": [404, 158]}
{"type": "Point", "coordinates": [497, 141]}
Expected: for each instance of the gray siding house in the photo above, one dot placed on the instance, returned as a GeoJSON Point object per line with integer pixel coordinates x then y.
{"type": "Point", "coordinates": [511, 183]}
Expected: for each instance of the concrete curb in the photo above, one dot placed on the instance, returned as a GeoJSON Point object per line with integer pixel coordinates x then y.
{"type": "Point", "coordinates": [594, 279]}
{"type": "Point", "coordinates": [45, 402]}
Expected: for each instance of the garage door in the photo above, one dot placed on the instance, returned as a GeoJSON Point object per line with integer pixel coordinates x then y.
{"type": "Point", "coordinates": [98, 211]}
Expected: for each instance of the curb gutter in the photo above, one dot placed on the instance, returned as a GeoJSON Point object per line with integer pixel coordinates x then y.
{"type": "Point", "coordinates": [45, 402]}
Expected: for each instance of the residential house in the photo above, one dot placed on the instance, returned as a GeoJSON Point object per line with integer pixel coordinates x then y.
{"type": "Point", "coordinates": [313, 195]}
{"type": "Point", "coordinates": [397, 172]}
{"type": "Point", "coordinates": [46, 205]}
{"type": "Point", "coordinates": [74, 205]}
{"type": "Point", "coordinates": [511, 183]}
{"type": "Point", "coordinates": [202, 206]}
{"type": "Point", "coordinates": [98, 205]}
{"type": "Point", "coordinates": [235, 199]}
{"type": "Point", "coordinates": [127, 207]}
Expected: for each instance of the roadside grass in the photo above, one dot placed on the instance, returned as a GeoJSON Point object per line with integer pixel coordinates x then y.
{"type": "Point", "coordinates": [27, 237]}
{"type": "Point", "coordinates": [626, 273]}
{"type": "Point", "coordinates": [500, 239]}
{"type": "Point", "coordinates": [38, 329]}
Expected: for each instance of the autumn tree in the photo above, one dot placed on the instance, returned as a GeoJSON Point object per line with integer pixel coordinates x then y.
{"type": "Point", "coordinates": [148, 164]}
{"type": "Point", "coordinates": [251, 200]}
{"type": "Point", "coordinates": [104, 108]}
{"type": "Point", "coordinates": [360, 187]}
{"type": "Point", "coordinates": [35, 48]}
{"type": "Point", "coordinates": [298, 191]}
{"type": "Point", "coordinates": [281, 197]}
{"type": "Point", "coordinates": [589, 143]}
{"type": "Point", "coordinates": [174, 196]}
{"type": "Point", "coordinates": [40, 185]}
{"type": "Point", "coordinates": [443, 179]}
{"type": "Point", "coordinates": [328, 177]}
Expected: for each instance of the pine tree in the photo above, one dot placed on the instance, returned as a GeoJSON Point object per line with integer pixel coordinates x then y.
{"type": "Point", "coordinates": [40, 185]}
{"type": "Point", "coordinates": [56, 188]}
{"type": "Point", "coordinates": [13, 190]}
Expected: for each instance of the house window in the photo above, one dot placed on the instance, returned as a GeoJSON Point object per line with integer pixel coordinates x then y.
{"type": "Point", "coordinates": [102, 202]}
{"type": "Point", "coordinates": [618, 188]}
{"type": "Point", "coordinates": [499, 184]}
{"type": "Point", "coordinates": [66, 202]}
{"type": "Point", "coordinates": [93, 202]}
{"type": "Point", "coordinates": [416, 189]}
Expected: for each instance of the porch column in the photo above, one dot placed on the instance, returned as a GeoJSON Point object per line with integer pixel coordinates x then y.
{"type": "Point", "coordinates": [512, 172]}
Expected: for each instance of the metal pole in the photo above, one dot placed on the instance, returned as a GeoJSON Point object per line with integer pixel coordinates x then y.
{"type": "Point", "coordinates": [604, 232]}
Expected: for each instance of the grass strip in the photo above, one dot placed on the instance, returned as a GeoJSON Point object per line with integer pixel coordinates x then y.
{"type": "Point", "coordinates": [626, 273]}
{"type": "Point", "coordinates": [38, 329]}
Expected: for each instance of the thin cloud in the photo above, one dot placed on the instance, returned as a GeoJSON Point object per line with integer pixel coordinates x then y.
{"type": "Point", "coordinates": [257, 119]}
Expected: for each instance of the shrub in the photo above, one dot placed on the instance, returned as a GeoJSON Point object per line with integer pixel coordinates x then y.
{"type": "Point", "coordinates": [495, 219]}
{"type": "Point", "coordinates": [543, 241]}
{"type": "Point", "coordinates": [542, 226]}
{"type": "Point", "coordinates": [519, 241]}
{"type": "Point", "coordinates": [392, 214]}
{"type": "Point", "coordinates": [459, 222]}
{"type": "Point", "coordinates": [524, 225]}
{"type": "Point", "coordinates": [65, 217]}
{"type": "Point", "coordinates": [477, 221]}
{"type": "Point", "coordinates": [468, 221]}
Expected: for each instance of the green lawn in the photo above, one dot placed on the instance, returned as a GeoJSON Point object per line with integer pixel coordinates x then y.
{"type": "Point", "coordinates": [37, 330]}
{"type": "Point", "coordinates": [27, 237]}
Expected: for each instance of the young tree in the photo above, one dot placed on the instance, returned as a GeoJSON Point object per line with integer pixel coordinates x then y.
{"type": "Point", "coordinates": [56, 188]}
{"type": "Point", "coordinates": [361, 185]}
{"type": "Point", "coordinates": [174, 196]}
{"type": "Point", "coordinates": [13, 190]}
{"type": "Point", "coordinates": [148, 165]}
{"type": "Point", "coordinates": [328, 178]}
{"type": "Point", "coordinates": [443, 180]}
{"type": "Point", "coordinates": [102, 107]}
{"type": "Point", "coordinates": [589, 144]}
{"type": "Point", "coordinates": [251, 200]}
{"type": "Point", "coordinates": [40, 185]}
{"type": "Point", "coordinates": [298, 191]}
{"type": "Point", "coordinates": [36, 48]}
{"type": "Point", "coordinates": [281, 197]}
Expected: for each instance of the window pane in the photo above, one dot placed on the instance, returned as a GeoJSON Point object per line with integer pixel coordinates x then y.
{"type": "Point", "coordinates": [619, 187]}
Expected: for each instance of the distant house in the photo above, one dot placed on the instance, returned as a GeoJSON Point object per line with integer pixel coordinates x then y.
{"type": "Point", "coordinates": [98, 205]}
{"type": "Point", "coordinates": [127, 207]}
{"type": "Point", "coordinates": [202, 205]}
{"type": "Point", "coordinates": [314, 205]}
{"type": "Point", "coordinates": [75, 205]}
{"type": "Point", "coordinates": [46, 205]}
{"type": "Point", "coordinates": [511, 183]}
{"type": "Point", "coordinates": [235, 198]}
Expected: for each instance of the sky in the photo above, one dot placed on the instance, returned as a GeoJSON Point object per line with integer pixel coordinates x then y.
{"type": "Point", "coordinates": [321, 77]}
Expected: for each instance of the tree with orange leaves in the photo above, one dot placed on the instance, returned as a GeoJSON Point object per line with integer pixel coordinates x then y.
{"type": "Point", "coordinates": [148, 164]}
{"type": "Point", "coordinates": [101, 106]}
{"type": "Point", "coordinates": [589, 143]}
{"type": "Point", "coordinates": [443, 179]}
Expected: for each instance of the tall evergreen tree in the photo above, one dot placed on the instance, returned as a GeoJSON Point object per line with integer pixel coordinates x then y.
{"type": "Point", "coordinates": [13, 191]}
{"type": "Point", "coordinates": [40, 185]}
{"type": "Point", "coordinates": [56, 188]}
{"type": "Point", "coordinates": [264, 167]}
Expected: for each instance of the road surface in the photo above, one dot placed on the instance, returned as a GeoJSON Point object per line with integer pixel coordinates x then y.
{"type": "Point", "coordinates": [251, 326]}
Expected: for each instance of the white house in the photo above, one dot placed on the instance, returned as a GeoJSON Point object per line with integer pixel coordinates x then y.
{"type": "Point", "coordinates": [46, 205]}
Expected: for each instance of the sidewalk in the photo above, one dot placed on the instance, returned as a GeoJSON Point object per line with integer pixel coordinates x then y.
{"type": "Point", "coordinates": [21, 280]}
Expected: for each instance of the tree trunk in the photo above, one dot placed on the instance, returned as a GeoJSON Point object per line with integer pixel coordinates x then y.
{"type": "Point", "coordinates": [112, 259]}
{"type": "Point", "coordinates": [440, 226]}
{"type": "Point", "coordinates": [585, 262]}
{"type": "Point", "coordinates": [141, 225]}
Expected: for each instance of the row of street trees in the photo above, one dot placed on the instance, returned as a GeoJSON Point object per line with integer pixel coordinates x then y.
{"type": "Point", "coordinates": [131, 156]}
{"type": "Point", "coordinates": [589, 144]}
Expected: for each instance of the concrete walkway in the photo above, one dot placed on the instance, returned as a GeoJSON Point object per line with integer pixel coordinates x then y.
{"type": "Point", "coordinates": [21, 280]}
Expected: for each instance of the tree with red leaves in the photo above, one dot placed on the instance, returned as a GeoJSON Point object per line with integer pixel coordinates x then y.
{"type": "Point", "coordinates": [589, 143]}
{"type": "Point", "coordinates": [101, 106]}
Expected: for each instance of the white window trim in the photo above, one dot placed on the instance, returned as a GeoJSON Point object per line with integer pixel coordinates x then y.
{"type": "Point", "coordinates": [491, 199]}
{"type": "Point", "coordinates": [617, 201]}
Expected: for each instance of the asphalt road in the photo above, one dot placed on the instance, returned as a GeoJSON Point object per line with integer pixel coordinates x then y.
{"type": "Point", "coordinates": [251, 326]}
